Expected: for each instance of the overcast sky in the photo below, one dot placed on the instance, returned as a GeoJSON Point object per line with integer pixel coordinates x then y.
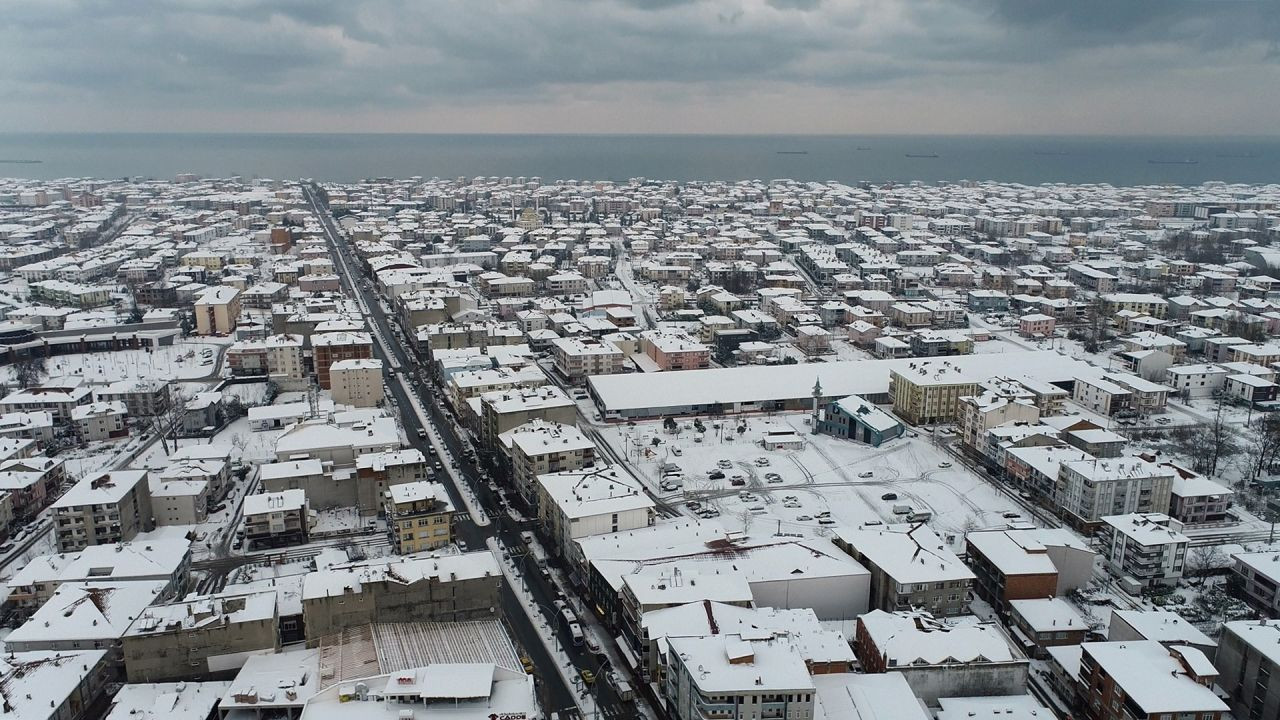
{"type": "Point", "coordinates": [687, 66]}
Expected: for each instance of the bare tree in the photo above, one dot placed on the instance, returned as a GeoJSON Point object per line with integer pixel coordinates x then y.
{"type": "Point", "coordinates": [168, 419]}
{"type": "Point", "coordinates": [1264, 446]}
{"type": "Point", "coordinates": [29, 371]}
{"type": "Point", "coordinates": [1204, 560]}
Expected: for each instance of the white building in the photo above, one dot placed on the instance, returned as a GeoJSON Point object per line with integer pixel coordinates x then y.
{"type": "Point", "coordinates": [1144, 549]}
{"type": "Point", "coordinates": [577, 503]}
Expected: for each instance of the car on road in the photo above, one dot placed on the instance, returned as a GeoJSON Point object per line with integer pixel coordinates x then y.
{"type": "Point", "coordinates": [237, 544]}
{"type": "Point", "coordinates": [588, 677]}
{"type": "Point", "coordinates": [944, 464]}
{"type": "Point", "coordinates": [1011, 515]}
{"type": "Point", "coordinates": [865, 475]}
{"type": "Point", "coordinates": [422, 432]}
{"type": "Point", "coordinates": [527, 664]}
{"type": "Point", "coordinates": [889, 496]}
{"type": "Point", "coordinates": [527, 537]}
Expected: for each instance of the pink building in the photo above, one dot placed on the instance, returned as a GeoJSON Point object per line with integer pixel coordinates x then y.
{"type": "Point", "coordinates": [1035, 325]}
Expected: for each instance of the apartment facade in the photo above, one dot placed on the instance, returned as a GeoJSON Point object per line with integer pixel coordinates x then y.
{"type": "Point", "coordinates": [420, 516]}
{"type": "Point", "coordinates": [105, 508]}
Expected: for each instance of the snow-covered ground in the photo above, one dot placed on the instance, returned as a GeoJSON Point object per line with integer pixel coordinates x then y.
{"type": "Point", "coordinates": [847, 479]}
{"type": "Point", "coordinates": [185, 360]}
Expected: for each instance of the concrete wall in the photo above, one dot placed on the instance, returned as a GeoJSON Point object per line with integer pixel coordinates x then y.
{"type": "Point", "coordinates": [832, 598]}
{"type": "Point", "coordinates": [423, 601]}
{"type": "Point", "coordinates": [185, 654]}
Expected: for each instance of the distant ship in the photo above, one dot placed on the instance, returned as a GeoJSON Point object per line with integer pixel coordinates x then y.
{"type": "Point", "coordinates": [918, 155]}
{"type": "Point", "coordinates": [1238, 156]}
{"type": "Point", "coordinates": [20, 162]}
{"type": "Point", "coordinates": [793, 152]}
{"type": "Point", "coordinates": [1174, 162]}
{"type": "Point", "coordinates": [1049, 152]}
{"type": "Point", "coordinates": [862, 148]}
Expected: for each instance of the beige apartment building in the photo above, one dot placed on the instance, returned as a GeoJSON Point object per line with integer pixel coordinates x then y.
{"type": "Point", "coordinates": [929, 391]}
{"type": "Point", "coordinates": [357, 382]}
{"type": "Point", "coordinates": [542, 447]}
{"type": "Point", "coordinates": [420, 515]}
{"type": "Point", "coordinates": [217, 310]}
{"type": "Point", "coordinates": [578, 358]}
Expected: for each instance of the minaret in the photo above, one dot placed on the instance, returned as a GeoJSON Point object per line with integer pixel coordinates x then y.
{"type": "Point", "coordinates": [817, 394]}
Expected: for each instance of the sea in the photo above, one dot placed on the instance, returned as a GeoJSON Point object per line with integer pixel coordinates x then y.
{"type": "Point", "coordinates": [844, 158]}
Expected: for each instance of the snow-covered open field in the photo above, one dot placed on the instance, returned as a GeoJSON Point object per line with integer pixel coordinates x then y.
{"type": "Point", "coordinates": [184, 360]}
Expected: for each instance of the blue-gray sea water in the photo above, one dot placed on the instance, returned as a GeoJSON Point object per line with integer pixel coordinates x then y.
{"type": "Point", "coordinates": [846, 158]}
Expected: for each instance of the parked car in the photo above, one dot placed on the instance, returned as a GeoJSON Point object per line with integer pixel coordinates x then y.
{"type": "Point", "coordinates": [889, 496]}
{"type": "Point", "coordinates": [724, 464]}
{"type": "Point", "coordinates": [715, 475]}
{"type": "Point", "coordinates": [804, 518]}
{"type": "Point", "coordinates": [762, 461]}
{"type": "Point", "coordinates": [773, 478]}
{"type": "Point", "coordinates": [738, 481]}
{"type": "Point", "coordinates": [944, 464]}
{"type": "Point", "coordinates": [865, 475]}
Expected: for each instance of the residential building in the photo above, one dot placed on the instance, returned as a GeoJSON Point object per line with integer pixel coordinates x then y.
{"type": "Point", "coordinates": [674, 350]}
{"type": "Point", "coordinates": [577, 358]}
{"type": "Point", "coordinates": [940, 659]}
{"type": "Point", "coordinates": [378, 471]}
{"type": "Point", "coordinates": [331, 347]}
{"type": "Point", "coordinates": [419, 515]}
{"type": "Point", "coordinates": [539, 448]}
{"type": "Point", "coordinates": [405, 588]}
{"type": "Point", "coordinates": [357, 382]}
{"type": "Point", "coordinates": [1042, 623]}
{"type": "Point", "coordinates": [1144, 680]}
{"type": "Point", "coordinates": [203, 637]}
{"type": "Point", "coordinates": [277, 519]}
{"type": "Point", "coordinates": [1257, 574]}
{"type": "Point", "coordinates": [1089, 490]}
{"type": "Point", "coordinates": [142, 398]}
{"type": "Point", "coordinates": [1144, 549]}
{"type": "Point", "coordinates": [217, 310]}
{"type": "Point", "coordinates": [576, 503]}
{"type": "Point", "coordinates": [910, 568]}
{"type": "Point", "coordinates": [1248, 661]}
{"type": "Point", "coordinates": [103, 508]}
{"type": "Point", "coordinates": [54, 685]}
{"type": "Point", "coordinates": [501, 411]}
{"type": "Point", "coordinates": [929, 391]}
{"type": "Point", "coordinates": [1027, 564]}
{"type": "Point", "coordinates": [100, 421]}
{"type": "Point", "coordinates": [736, 676]}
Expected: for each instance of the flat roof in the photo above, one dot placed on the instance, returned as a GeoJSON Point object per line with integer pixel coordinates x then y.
{"type": "Point", "coordinates": [637, 391]}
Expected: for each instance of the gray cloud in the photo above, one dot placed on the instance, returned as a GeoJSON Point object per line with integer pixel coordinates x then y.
{"type": "Point", "coordinates": [394, 62]}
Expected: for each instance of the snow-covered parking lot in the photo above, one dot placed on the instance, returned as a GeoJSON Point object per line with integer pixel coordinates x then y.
{"type": "Point", "coordinates": [828, 482]}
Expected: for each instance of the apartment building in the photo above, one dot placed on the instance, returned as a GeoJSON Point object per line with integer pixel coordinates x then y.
{"type": "Point", "coordinates": [1144, 680]}
{"type": "Point", "coordinates": [331, 347]}
{"type": "Point", "coordinates": [541, 447]}
{"type": "Point", "coordinates": [200, 638]}
{"type": "Point", "coordinates": [217, 310]}
{"type": "Point", "coordinates": [735, 676]}
{"type": "Point", "coordinates": [142, 398]}
{"type": "Point", "coordinates": [100, 421]}
{"type": "Point", "coordinates": [576, 358]}
{"type": "Point", "coordinates": [577, 503]}
{"type": "Point", "coordinates": [405, 588]}
{"type": "Point", "coordinates": [1258, 576]}
{"type": "Point", "coordinates": [102, 508]}
{"type": "Point", "coordinates": [674, 350]}
{"type": "Point", "coordinates": [277, 519]}
{"type": "Point", "coordinates": [1249, 665]}
{"type": "Point", "coordinates": [929, 391]}
{"type": "Point", "coordinates": [357, 382]}
{"type": "Point", "coordinates": [1144, 549]}
{"type": "Point", "coordinates": [419, 515]}
{"type": "Point", "coordinates": [505, 410]}
{"type": "Point", "coordinates": [378, 471]}
{"type": "Point", "coordinates": [1025, 564]}
{"type": "Point", "coordinates": [911, 568]}
{"type": "Point", "coordinates": [1088, 490]}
